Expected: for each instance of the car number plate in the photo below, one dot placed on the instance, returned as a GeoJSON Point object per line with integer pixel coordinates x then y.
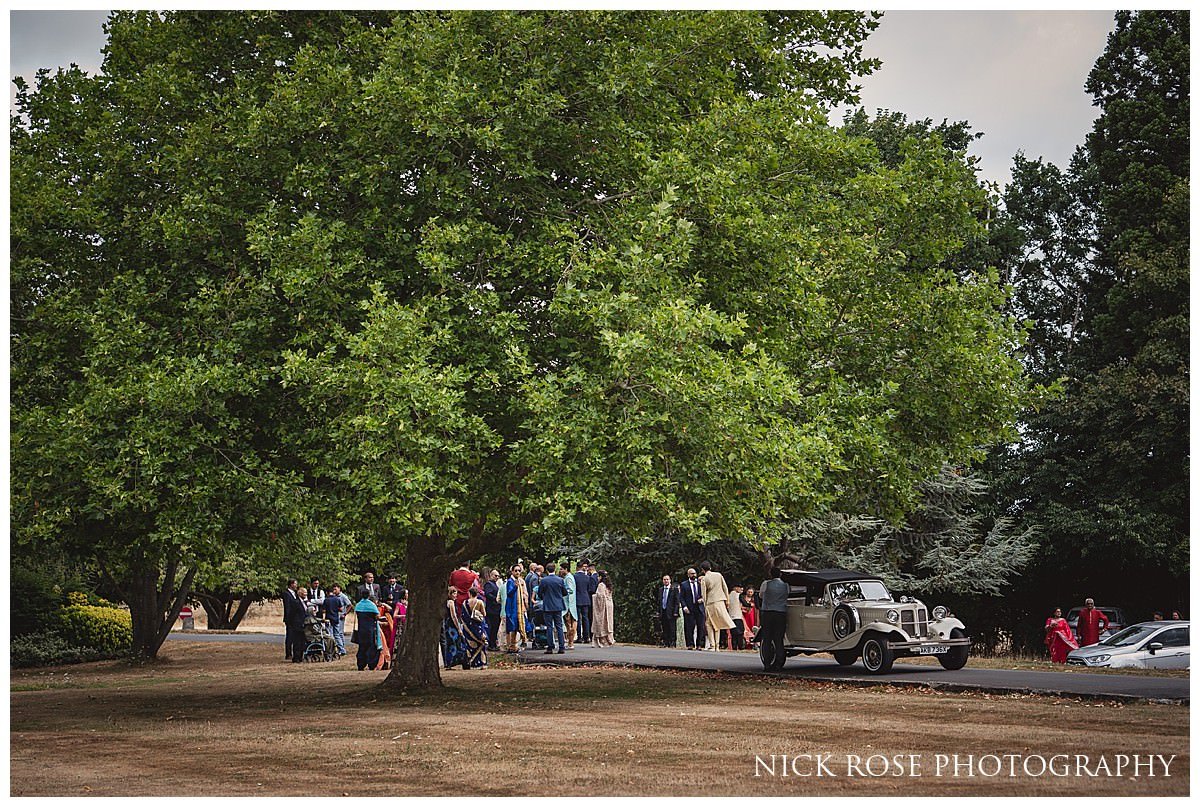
{"type": "Point", "coordinates": [931, 649]}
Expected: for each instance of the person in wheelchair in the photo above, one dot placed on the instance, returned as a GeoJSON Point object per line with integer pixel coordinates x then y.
{"type": "Point", "coordinates": [320, 644]}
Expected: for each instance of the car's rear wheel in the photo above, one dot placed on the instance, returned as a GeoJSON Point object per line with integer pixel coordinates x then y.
{"type": "Point", "coordinates": [845, 621]}
{"type": "Point", "coordinates": [876, 655]}
{"type": "Point", "coordinates": [845, 657]}
{"type": "Point", "coordinates": [956, 659]}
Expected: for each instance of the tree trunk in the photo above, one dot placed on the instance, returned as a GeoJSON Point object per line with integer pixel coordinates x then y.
{"type": "Point", "coordinates": [416, 663]}
{"type": "Point", "coordinates": [243, 606]}
{"type": "Point", "coordinates": [220, 609]}
{"type": "Point", "coordinates": [152, 610]}
{"type": "Point", "coordinates": [143, 613]}
{"type": "Point", "coordinates": [216, 608]}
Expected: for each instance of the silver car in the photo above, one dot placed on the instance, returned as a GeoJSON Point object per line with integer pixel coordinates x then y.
{"type": "Point", "coordinates": [1158, 645]}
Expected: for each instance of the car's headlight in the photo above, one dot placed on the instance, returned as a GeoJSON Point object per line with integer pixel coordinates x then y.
{"type": "Point", "coordinates": [941, 612]}
{"type": "Point", "coordinates": [1099, 659]}
{"type": "Point", "coordinates": [893, 616]}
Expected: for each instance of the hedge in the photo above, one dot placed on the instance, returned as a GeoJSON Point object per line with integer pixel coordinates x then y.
{"type": "Point", "coordinates": [44, 649]}
{"type": "Point", "coordinates": [108, 630]}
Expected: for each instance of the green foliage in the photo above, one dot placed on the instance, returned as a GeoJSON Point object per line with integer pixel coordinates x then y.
{"type": "Point", "coordinates": [49, 582]}
{"type": "Point", "coordinates": [890, 131]}
{"type": "Point", "coordinates": [45, 649]}
{"type": "Point", "coordinates": [447, 280]}
{"type": "Point", "coordinates": [106, 629]}
{"type": "Point", "coordinates": [1102, 270]}
{"type": "Point", "coordinates": [944, 546]}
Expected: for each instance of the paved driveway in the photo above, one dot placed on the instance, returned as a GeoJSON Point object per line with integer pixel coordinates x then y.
{"type": "Point", "coordinates": [1108, 685]}
{"type": "Point", "coordinates": [826, 669]}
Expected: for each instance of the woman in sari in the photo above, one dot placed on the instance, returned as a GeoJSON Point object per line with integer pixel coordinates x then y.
{"type": "Point", "coordinates": [454, 646]}
{"type": "Point", "coordinates": [387, 637]}
{"type": "Point", "coordinates": [749, 614]}
{"type": "Point", "coordinates": [602, 612]}
{"type": "Point", "coordinates": [1059, 639]}
{"type": "Point", "coordinates": [366, 613]}
{"type": "Point", "coordinates": [475, 631]}
{"type": "Point", "coordinates": [400, 616]}
{"type": "Point", "coordinates": [516, 608]}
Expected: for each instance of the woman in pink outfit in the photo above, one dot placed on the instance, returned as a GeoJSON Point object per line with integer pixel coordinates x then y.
{"type": "Point", "coordinates": [1059, 639]}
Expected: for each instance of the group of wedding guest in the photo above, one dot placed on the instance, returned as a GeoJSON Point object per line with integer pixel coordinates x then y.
{"type": "Point", "coordinates": [715, 616]}
{"type": "Point", "coordinates": [547, 606]}
{"type": "Point", "coordinates": [380, 613]}
{"type": "Point", "coordinates": [464, 637]}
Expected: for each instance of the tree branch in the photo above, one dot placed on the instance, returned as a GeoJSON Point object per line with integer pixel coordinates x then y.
{"type": "Point", "coordinates": [185, 588]}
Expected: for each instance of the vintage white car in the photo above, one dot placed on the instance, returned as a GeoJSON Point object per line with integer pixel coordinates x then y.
{"type": "Point", "coordinates": [852, 616]}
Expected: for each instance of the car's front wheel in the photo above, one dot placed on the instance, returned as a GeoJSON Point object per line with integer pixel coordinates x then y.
{"type": "Point", "coordinates": [956, 659]}
{"type": "Point", "coordinates": [876, 655]}
{"type": "Point", "coordinates": [845, 657]}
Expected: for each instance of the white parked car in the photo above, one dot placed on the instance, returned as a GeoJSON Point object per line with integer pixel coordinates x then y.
{"type": "Point", "coordinates": [1158, 645]}
{"type": "Point", "coordinates": [852, 615]}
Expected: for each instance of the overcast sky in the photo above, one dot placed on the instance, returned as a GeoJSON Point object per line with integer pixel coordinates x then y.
{"type": "Point", "coordinates": [1016, 76]}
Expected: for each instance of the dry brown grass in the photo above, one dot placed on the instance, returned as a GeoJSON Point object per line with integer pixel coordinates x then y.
{"type": "Point", "coordinates": [217, 719]}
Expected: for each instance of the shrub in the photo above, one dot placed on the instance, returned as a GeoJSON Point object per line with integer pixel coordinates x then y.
{"type": "Point", "coordinates": [43, 649]}
{"type": "Point", "coordinates": [32, 586]}
{"type": "Point", "coordinates": [107, 629]}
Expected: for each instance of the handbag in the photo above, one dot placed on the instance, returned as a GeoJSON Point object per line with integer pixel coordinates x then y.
{"type": "Point", "coordinates": [354, 637]}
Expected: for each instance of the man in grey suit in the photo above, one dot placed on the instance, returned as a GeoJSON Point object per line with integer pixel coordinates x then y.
{"type": "Point", "coordinates": [369, 588]}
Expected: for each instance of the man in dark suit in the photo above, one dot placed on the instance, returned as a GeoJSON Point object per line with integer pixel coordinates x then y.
{"type": "Point", "coordinates": [583, 602]}
{"type": "Point", "coordinates": [388, 591]}
{"type": "Point", "coordinates": [691, 601]}
{"type": "Point", "coordinates": [552, 591]}
{"type": "Point", "coordinates": [293, 620]}
{"type": "Point", "coordinates": [668, 610]}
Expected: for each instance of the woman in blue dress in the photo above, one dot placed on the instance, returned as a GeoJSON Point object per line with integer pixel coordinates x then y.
{"type": "Point", "coordinates": [454, 646]}
{"type": "Point", "coordinates": [473, 618]}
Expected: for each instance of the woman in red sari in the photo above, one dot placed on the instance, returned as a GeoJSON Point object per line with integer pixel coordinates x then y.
{"type": "Point", "coordinates": [749, 615]}
{"type": "Point", "coordinates": [1059, 639]}
{"type": "Point", "coordinates": [387, 630]}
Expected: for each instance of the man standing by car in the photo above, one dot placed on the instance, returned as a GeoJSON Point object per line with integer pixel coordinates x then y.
{"type": "Point", "coordinates": [1092, 622]}
{"type": "Point", "coordinates": [772, 617]}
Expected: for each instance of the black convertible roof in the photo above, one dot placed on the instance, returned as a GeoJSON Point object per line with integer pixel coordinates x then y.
{"type": "Point", "coordinates": [820, 577]}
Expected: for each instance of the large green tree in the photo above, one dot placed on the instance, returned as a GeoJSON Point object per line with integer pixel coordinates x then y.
{"type": "Point", "coordinates": [495, 277]}
{"type": "Point", "coordinates": [630, 285]}
{"type": "Point", "coordinates": [1101, 268]}
{"type": "Point", "coordinates": [146, 413]}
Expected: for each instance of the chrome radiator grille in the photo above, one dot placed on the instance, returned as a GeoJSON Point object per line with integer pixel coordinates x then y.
{"type": "Point", "coordinates": [914, 623]}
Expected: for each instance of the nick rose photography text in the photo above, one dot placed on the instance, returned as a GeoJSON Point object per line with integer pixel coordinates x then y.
{"type": "Point", "coordinates": [959, 766]}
